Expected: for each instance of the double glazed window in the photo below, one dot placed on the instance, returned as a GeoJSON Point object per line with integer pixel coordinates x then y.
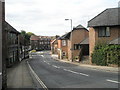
{"type": "Point", "coordinates": [77, 47]}
{"type": "Point", "coordinates": [64, 43]}
{"type": "Point", "coordinates": [104, 31]}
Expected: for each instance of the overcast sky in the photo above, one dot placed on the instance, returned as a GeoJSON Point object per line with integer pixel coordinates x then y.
{"type": "Point", "coordinates": [47, 17]}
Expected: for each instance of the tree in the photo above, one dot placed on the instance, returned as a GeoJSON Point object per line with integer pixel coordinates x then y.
{"type": "Point", "coordinates": [26, 36]}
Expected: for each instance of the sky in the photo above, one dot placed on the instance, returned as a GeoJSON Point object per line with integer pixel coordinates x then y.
{"type": "Point", "coordinates": [47, 17]}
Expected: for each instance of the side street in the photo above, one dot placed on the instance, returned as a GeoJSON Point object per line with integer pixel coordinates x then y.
{"type": "Point", "coordinates": [81, 58]}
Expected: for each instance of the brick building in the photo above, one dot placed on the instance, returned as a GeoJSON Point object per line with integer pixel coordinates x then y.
{"type": "Point", "coordinates": [74, 44]}
{"type": "Point", "coordinates": [12, 42]}
{"type": "Point", "coordinates": [104, 28]}
{"type": "Point", "coordinates": [63, 46]}
{"type": "Point", "coordinates": [54, 45]}
{"type": "Point", "coordinates": [78, 35]}
{"type": "Point", "coordinates": [24, 48]}
{"type": "Point", "coordinates": [40, 42]}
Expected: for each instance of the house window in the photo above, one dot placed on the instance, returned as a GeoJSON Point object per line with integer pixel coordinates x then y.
{"type": "Point", "coordinates": [77, 46]}
{"type": "Point", "coordinates": [63, 42]}
{"type": "Point", "coordinates": [104, 31]}
{"type": "Point", "coordinates": [63, 53]}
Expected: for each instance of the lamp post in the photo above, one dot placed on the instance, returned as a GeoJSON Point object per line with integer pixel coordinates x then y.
{"type": "Point", "coordinates": [71, 22]}
{"type": "Point", "coordinates": [71, 40]}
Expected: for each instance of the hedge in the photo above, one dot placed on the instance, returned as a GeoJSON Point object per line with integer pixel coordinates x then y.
{"type": "Point", "coordinates": [105, 55]}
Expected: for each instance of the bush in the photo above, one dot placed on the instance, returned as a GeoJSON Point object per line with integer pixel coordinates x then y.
{"type": "Point", "coordinates": [105, 55]}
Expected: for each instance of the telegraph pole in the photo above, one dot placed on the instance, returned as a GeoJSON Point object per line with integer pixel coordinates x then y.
{"type": "Point", "coordinates": [2, 46]}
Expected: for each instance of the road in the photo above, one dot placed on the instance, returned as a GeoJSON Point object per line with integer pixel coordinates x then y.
{"type": "Point", "coordinates": [56, 74]}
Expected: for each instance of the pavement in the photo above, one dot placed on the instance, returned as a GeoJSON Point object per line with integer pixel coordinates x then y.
{"type": "Point", "coordinates": [19, 76]}
{"type": "Point", "coordinates": [94, 67]}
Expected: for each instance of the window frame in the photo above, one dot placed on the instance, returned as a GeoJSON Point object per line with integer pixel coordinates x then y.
{"type": "Point", "coordinates": [64, 43]}
{"type": "Point", "coordinates": [102, 32]}
{"type": "Point", "coordinates": [77, 46]}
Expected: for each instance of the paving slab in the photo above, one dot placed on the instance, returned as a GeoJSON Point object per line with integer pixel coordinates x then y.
{"type": "Point", "coordinates": [19, 76]}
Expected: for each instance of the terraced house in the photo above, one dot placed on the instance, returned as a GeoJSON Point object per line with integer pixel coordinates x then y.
{"type": "Point", "coordinates": [40, 42]}
{"type": "Point", "coordinates": [12, 43]}
{"type": "Point", "coordinates": [104, 28]}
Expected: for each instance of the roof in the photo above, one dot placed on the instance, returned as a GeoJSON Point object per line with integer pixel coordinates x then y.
{"type": "Point", "coordinates": [85, 41]}
{"type": "Point", "coordinates": [108, 17]}
{"type": "Point", "coordinates": [53, 41]}
{"type": "Point", "coordinates": [33, 37]}
{"type": "Point", "coordinates": [115, 41]}
{"type": "Point", "coordinates": [65, 36]}
{"type": "Point", "coordinates": [79, 27]}
{"type": "Point", "coordinates": [9, 28]}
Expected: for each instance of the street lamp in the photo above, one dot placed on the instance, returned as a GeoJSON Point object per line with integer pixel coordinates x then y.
{"type": "Point", "coordinates": [71, 22]}
{"type": "Point", "coordinates": [71, 40]}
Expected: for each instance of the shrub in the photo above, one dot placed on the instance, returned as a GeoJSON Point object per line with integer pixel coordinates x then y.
{"type": "Point", "coordinates": [104, 55]}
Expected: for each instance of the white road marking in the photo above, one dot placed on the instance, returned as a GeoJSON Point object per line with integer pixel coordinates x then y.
{"type": "Point", "coordinates": [38, 79]}
{"type": "Point", "coordinates": [112, 81]}
{"type": "Point", "coordinates": [0, 73]}
{"type": "Point", "coordinates": [30, 57]}
{"type": "Point", "coordinates": [55, 66]}
{"type": "Point", "coordinates": [48, 63]}
{"type": "Point", "coordinates": [42, 55]}
{"type": "Point", "coordinates": [76, 72]}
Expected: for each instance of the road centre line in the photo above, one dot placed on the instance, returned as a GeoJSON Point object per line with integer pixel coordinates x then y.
{"type": "Point", "coordinates": [48, 63]}
{"type": "Point", "coordinates": [0, 73]}
{"type": "Point", "coordinates": [55, 66]}
{"type": "Point", "coordinates": [112, 81]}
{"type": "Point", "coordinates": [42, 55]}
{"type": "Point", "coordinates": [44, 61]}
{"type": "Point", "coordinates": [76, 72]}
{"type": "Point", "coordinates": [38, 79]}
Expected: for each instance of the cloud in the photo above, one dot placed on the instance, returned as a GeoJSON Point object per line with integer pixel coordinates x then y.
{"type": "Point", "coordinates": [46, 17]}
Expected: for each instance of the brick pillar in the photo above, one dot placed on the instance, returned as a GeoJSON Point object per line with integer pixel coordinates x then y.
{"type": "Point", "coordinates": [91, 42]}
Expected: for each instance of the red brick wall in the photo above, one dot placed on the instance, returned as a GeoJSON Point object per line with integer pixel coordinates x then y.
{"type": "Point", "coordinates": [91, 40]}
